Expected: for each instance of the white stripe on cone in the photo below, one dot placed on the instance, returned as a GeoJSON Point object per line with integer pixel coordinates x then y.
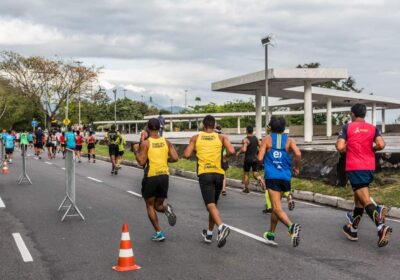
{"type": "Point", "coordinates": [125, 253]}
{"type": "Point", "coordinates": [125, 236]}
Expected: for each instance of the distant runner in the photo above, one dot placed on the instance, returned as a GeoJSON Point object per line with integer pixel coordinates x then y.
{"type": "Point", "coordinates": [360, 141]}
{"type": "Point", "coordinates": [9, 146]}
{"type": "Point", "coordinates": [154, 154]}
{"type": "Point", "coordinates": [39, 140]}
{"type": "Point", "coordinates": [274, 152]}
{"type": "Point", "coordinates": [162, 123]}
{"type": "Point", "coordinates": [70, 139]}
{"type": "Point", "coordinates": [112, 138]}
{"type": "Point", "coordinates": [208, 147]}
{"type": "Point", "coordinates": [79, 142]}
{"type": "Point", "coordinates": [250, 145]}
{"type": "Point", "coordinates": [121, 149]}
{"type": "Point", "coordinates": [63, 144]}
{"type": "Point", "coordinates": [91, 147]}
{"type": "Point", "coordinates": [30, 139]}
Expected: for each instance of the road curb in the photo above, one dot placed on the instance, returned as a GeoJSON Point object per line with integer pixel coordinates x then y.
{"type": "Point", "coordinates": [328, 200]}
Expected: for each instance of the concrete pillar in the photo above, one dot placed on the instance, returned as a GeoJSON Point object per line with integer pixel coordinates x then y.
{"type": "Point", "coordinates": [258, 114]}
{"type": "Point", "coordinates": [383, 121]}
{"type": "Point", "coordinates": [190, 124]}
{"type": "Point", "coordinates": [374, 114]}
{"type": "Point", "coordinates": [329, 117]}
{"type": "Point", "coordinates": [197, 124]}
{"type": "Point", "coordinates": [123, 127]}
{"type": "Point", "coordinates": [129, 128]}
{"type": "Point", "coordinates": [308, 112]}
{"type": "Point", "coordinates": [171, 125]}
{"type": "Point", "coordinates": [238, 125]}
{"type": "Point", "coordinates": [136, 128]}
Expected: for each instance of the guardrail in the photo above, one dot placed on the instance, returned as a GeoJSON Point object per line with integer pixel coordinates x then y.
{"type": "Point", "coordinates": [69, 200]}
{"type": "Point", "coordinates": [24, 178]}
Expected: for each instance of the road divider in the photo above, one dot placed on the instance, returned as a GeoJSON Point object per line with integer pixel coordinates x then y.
{"type": "Point", "coordinates": [26, 256]}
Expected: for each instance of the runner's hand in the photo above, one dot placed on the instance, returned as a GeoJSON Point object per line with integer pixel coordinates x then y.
{"type": "Point", "coordinates": [296, 171]}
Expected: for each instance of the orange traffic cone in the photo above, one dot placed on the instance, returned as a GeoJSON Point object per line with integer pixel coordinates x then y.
{"type": "Point", "coordinates": [5, 169]}
{"type": "Point", "coordinates": [126, 259]}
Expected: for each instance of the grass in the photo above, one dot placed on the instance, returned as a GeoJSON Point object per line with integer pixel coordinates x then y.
{"type": "Point", "coordinates": [385, 189]}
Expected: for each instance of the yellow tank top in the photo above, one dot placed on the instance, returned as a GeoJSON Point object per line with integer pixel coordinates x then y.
{"type": "Point", "coordinates": [209, 153]}
{"type": "Point", "coordinates": [157, 157]}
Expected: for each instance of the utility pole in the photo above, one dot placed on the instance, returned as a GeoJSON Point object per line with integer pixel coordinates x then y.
{"type": "Point", "coordinates": [115, 106]}
{"type": "Point", "coordinates": [186, 98]}
{"type": "Point", "coordinates": [265, 42]}
{"type": "Point", "coordinates": [171, 104]}
{"type": "Point", "coordinates": [79, 97]}
{"type": "Point", "coordinates": [124, 93]}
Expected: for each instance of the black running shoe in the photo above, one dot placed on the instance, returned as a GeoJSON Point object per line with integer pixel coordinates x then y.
{"type": "Point", "coordinates": [294, 233]}
{"type": "Point", "coordinates": [290, 202]}
{"type": "Point", "coordinates": [222, 235]}
{"type": "Point", "coordinates": [384, 235]}
{"type": "Point", "coordinates": [116, 172]}
{"type": "Point", "coordinates": [169, 212]}
{"type": "Point", "coordinates": [246, 190]}
{"type": "Point", "coordinates": [223, 193]}
{"type": "Point", "coordinates": [207, 238]}
{"type": "Point", "coordinates": [349, 234]}
{"type": "Point", "coordinates": [112, 172]}
{"type": "Point", "coordinates": [267, 210]}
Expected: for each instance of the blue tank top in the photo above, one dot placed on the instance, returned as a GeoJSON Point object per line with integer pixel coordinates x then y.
{"type": "Point", "coordinates": [277, 162]}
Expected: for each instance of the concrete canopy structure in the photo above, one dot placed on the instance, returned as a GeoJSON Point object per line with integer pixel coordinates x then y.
{"type": "Point", "coordinates": [297, 84]}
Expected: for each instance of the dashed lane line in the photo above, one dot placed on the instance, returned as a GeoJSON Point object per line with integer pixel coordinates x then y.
{"type": "Point", "coordinates": [94, 179]}
{"type": "Point", "coordinates": [49, 163]}
{"type": "Point", "coordinates": [26, 256]}
{"type": "Point", "coordinates": [134, 193]}
{"type": "Point", "coordinates": [2, 205]}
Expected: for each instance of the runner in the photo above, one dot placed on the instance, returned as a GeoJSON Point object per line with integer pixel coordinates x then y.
{"type": "Point", "coordinates": [17, 138]}
{"type": "Point", "coordinates": [78, 147]}
{"type": "Point", "coordinates": [250, 145]}
{"type": "Point", "coordinates": [161, 119]}
{"type": "Point", "coordinates": [274, 152]}
{"type": "Point", "coordinates": [54, 144]}
{"type": "Point", "coordinates": [154, 154]}
{"type": "Point", "coordinates": [49, 145]}
{"type": "Point", "coordinates": [208, 146]}
{"type": "Point", "coordinates": [9, 146]}
{"type": "Point", "coordinates": [121, 149]}
{"type": "Point", "coordinates": [91, 147]}
{"type": "Point", "coordinates": [70, 139]}
{"type": "Point", "coordinates": [356, 139]}
{"type": "Point", "coordinates": [39, 140]}
{"type": "Point", "coordinates": [112, 138]}
{"type": "Point", "coordinates": [63, 143]}
{"type": "Point", "coordinates": [30, 139]}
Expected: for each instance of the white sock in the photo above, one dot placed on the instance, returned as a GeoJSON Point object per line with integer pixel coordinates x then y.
{"type": "Point", "coordinates": [220, 227]}
{"type": "Point", "coordinates": [380, 227]}
{"type": "Point", "coordinates": [209, 232]}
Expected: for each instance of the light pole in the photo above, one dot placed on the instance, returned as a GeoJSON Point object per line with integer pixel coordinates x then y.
{"type": "Point", "coordinates": [171, 104]}
{"type": "Point", "coordinates": [79, 96]}
{"type": "Point", "coordinates": [265, 42]}
{"type": "Point", "coordinates": [186, 98]}
{"type": "Point", "coordinates": [115, 106]}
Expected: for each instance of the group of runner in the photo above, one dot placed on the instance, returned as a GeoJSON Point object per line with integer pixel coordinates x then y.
{"type": "Point", "coordinates": [212, 149]}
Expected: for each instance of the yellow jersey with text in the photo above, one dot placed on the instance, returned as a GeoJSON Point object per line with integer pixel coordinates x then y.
{"type": "Point", "coordinates": [157, 157]}
{"type": "Point", "coordinates": [209, 153]}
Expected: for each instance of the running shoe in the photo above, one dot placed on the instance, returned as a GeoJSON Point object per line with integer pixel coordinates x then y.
{"type": "Point", "coordinates": [269, 235]}
{"type": "Point", "coordinates": [382, 212]}
{"type": "Point", "coordinates": [384, 235]}
{"type": "Point", "coordinates": [267, 210]}
{"type": "Point", "coordinates": [351, 235]}
{"type": "Point", "coordinates": [158, 237]}
{"type": "Point", "coordinates": [94, 161]}
{"type": "Point", "coordinates": [112, 172]}
{"type": "Point", "coordinates": [349, 216]}
{"type": "Point", "coordinates": [207, 238]}
{"type": "Point", "coordinates": [294, 232]}
{"type": "Point", "coordinates": [116, 172]}
{"type": "Point", "coordinates": [222, 235]}
{"type": "Point", "coordinates": [223, 193]}
{"type": "Point", "coordinates": [290, 202]}
{"type": "Point", "coordinates": [169, 212]}
{"type": "Point", "coordinates": [246, 190]}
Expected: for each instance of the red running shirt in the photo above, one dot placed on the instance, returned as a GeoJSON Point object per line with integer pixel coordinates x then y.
{"type": "Point", "coordinates": [79, 140]}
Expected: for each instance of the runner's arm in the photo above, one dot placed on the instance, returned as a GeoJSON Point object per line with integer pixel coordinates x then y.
{"type": "Point", "coordinates": [172, 154]}
{"type": "Point", "coordinates": [190, 148]}
{"type": "Point", "coordinates": [230, 150]}
{"type": "Point", "coordinates": [341, 141]}
{"type": "Point", "coordinates": [297, 156]}
{"type": "Point", "coordinates": [243, 149]}
{"type": "Point", "coordinates": [379, 142]}
{"type": "Point", "coordinates": [141, 157]}
{"type": "Point", "coordinates": [263, 149]}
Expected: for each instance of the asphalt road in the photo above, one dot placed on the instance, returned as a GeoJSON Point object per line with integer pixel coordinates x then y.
{"type": "Point", "coordinates": [88, 249]}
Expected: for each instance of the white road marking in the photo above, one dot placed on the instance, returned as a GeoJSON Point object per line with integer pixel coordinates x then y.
{"type": "Point", "coordinates": [94, 179]}
{"type": "Point", "coordinates": [49, 163]}
{"type": "Point", "coordinates": [256, 237]}
{"type": "Point", "coordinates": [63, 168]}
{"type": "Point", "coordinates": [185, 179]}
{"type": "Point", "coordinates": [2, 205]}
{"type": "Point", "coordinates": [26, 256]}
{"type": "Point", "coordinates": [392, 220]}
{"type": "Point", "coordinates": [135, 194]}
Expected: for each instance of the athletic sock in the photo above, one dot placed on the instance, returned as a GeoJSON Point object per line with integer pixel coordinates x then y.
{"type": "Point", "coordinates": [357, 214]}
{"type": "Point", "coordinates": [267, 200]}
{"type": "Point", "coordinates": [372, 211]}
{"type": "Point", "coordinates": [88, 156]}
{"type": "Point", "coordinates": [94, 156]}
{"type": "Point", "coordinates": [286, 194]}
{"type": "Point", "coordinates": [220, 227]}
{"type": "Point", "coordinates": [209, 232]}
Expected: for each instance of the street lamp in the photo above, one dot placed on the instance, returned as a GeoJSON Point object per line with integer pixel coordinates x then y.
{"type": "Point", "coordinates": [265, 42]}
{"type": "Point", "coordinates": [115, 106]}
{"type": "Point", "coordinates": [79, 96]}
{"type": "Point", "coordinates": [186, 98]}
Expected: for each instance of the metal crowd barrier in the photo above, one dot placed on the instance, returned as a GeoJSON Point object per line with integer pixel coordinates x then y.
{"type": "Point", "coordinates": [24, 178]}
{"type": "Point", "coordinates": [2, 151]}
{"type": "Point", "coordinates": [69, 200]}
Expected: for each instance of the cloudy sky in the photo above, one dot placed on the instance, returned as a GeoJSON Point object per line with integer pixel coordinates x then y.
{"type": "Point", "coordinates": [161, 48]}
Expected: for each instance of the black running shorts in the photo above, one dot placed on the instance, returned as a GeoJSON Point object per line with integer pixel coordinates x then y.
{"type": "Point", "coordinates": [211, 186]}
{"type": "Point", "coordinates": [9, 151]}
{"type": "Point", "coordinates": [39, 145]}
{"type": "Point", "coordinates": [250, 165]}
{"type": "Point", "coordinates": [360, 178]}
{"type": "Point", "coordinates": [90, 146]}
{"type": "Point", "coordinates": [155, 186]}
{"type": "Point", "coordinates": [120, 153]}
{"type": "Point", "coordinates": [78, 148]}
{"type": "Point", "coordinates": [278, 185]}
{"type": "Point", "coordinates": [113, 150]}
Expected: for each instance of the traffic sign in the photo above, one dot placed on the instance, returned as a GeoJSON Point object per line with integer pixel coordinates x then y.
{"type": "Point", "coordinates": [66, 121]}
{"type": "Point", "coordinates": [35, 123]}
